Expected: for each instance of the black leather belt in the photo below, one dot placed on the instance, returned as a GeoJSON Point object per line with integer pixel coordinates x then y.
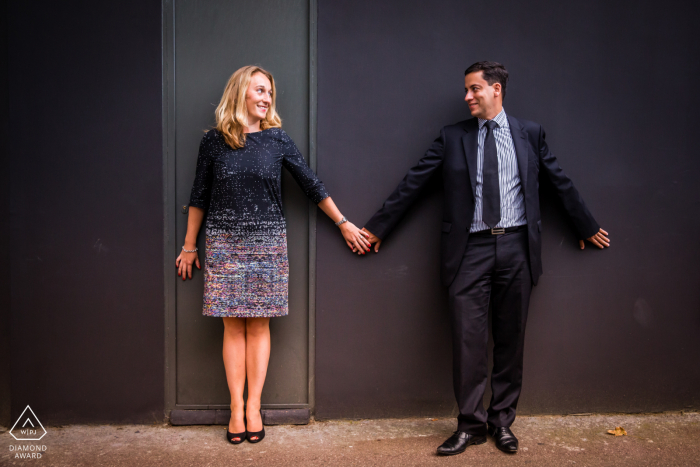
{"type": "Point", "coordinates": [499, 230]}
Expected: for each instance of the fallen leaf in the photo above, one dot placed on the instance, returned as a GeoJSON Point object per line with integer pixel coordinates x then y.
{"type": "Point", "coordinates": [618, 431]}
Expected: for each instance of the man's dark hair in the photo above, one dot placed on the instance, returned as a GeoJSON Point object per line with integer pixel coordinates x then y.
{"type": "Point", "coordinates": [493, 72]}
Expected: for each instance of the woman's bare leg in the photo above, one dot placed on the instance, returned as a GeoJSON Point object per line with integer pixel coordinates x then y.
{"type": "Point", "coordinates": [235, 363]}
{"type": "Point", "coordinates": [257, 356]}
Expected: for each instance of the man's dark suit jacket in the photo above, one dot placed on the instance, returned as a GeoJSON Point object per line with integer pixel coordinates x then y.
{"type": "Point", "coordinates": [454, 152]}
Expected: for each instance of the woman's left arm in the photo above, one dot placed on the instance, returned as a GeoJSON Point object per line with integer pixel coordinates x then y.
{"type": "Point", "coordinates": [314, 189]}
{"type": "Point", "coordinates": [356, 239]}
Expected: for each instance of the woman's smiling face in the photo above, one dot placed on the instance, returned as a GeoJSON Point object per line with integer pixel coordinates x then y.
{"type": "Point", "coordinates": [258, 98]}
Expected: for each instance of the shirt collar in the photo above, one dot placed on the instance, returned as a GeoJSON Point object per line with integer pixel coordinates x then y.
{"type": "Point", "coordinates": [501, 119]}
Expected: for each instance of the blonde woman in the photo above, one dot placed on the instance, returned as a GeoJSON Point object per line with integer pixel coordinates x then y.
{"type": "Point", "coordinates": [238, 182]}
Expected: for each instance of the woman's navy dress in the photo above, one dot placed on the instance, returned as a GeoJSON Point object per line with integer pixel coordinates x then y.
{"type": "Point", "coordinates": [246, 269]}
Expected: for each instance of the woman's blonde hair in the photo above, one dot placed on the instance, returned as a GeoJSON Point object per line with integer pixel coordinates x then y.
{"type": "Point", "coordinates": [232, 112]}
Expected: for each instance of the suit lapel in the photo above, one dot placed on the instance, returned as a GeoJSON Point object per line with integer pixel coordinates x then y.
{"type": "Point", "coordinates": [469, 140]}
{"type": "Point", "coordinates": [520, 142]}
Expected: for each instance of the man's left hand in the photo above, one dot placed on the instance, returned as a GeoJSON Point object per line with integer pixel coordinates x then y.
{"type": "Point", "coordinates": [373, 239]}
{"type": "Point", "coordinates": [600, 240]}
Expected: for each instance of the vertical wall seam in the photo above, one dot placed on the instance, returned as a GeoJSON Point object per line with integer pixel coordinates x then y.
{"type": "Point", "coordinates": [169, 231]}
{"type": "Point", "coordinates": [313, 38]}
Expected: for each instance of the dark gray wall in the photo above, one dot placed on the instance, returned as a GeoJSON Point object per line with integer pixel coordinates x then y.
{"type": "Point", "coordinates": [86, 229]}
{"type": "Point", "coordinates": [609, 331]}
{"type": "Point", "coordinates": [614, 85]}
{"type": "Point", "coordinates": [5, 347]}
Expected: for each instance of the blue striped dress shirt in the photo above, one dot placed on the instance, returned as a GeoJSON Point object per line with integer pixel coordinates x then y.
{"type": "Point", "coordinates": [512, 201]}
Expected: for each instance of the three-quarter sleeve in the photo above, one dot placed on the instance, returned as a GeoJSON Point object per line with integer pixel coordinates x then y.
{"type": "Point", "coordinates": [203, 179]}
{"type": "Point", "coordinates": [304, 176]}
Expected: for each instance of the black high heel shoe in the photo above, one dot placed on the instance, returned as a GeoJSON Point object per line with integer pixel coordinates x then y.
{"type": "Point", "coordinates": [258, 435]}
{"type": "Point", "coordinates": [236, 438]}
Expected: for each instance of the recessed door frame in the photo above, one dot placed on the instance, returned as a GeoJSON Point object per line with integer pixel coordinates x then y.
{"type": "Point", "coordinates": [170, 212]}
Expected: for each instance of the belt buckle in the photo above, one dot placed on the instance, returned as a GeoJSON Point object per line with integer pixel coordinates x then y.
{"type": "Point", "coordinates": [498, 231]}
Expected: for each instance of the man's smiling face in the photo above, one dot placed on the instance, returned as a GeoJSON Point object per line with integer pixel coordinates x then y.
{"type": "Point", "coordinates": [483, 99]}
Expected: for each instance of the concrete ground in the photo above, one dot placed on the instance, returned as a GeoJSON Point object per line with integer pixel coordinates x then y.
{"type": "Point", "coordinates": [658, 440]}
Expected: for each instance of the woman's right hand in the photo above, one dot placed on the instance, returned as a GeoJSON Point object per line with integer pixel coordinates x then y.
{"type": "Point", "coordinates": [355, 238]}
{"type": "Point", "coordinates": [184, 262]}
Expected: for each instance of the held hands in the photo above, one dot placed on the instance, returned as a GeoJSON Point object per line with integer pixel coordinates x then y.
{"type": "Point", "coordinates": [373, 239]}
{"type": "Point", "coordinates": [600, 240]}
{"type": "Point", "coordinates": [356, 239]}
{"type": "Point", "coordinates": [184, 262]}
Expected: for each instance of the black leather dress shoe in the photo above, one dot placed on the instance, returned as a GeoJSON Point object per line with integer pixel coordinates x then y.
{"type": "Point", "coordinates": [505, 439]}
{"type": "Point", "coordinates": [458, 442]}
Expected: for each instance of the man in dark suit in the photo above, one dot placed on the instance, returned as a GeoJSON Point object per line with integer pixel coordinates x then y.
{"type": "Point", "coordinates": [490, 249]}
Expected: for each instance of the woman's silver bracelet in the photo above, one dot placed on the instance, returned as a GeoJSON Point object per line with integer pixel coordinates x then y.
{"type": "Point", "coordinates": [189, 251]}
{"type": "Point", "coordinates": [341, 221]}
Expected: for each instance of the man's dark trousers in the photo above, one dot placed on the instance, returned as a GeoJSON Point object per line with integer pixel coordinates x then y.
{"type": "Point", "coordinates": [495, 270]}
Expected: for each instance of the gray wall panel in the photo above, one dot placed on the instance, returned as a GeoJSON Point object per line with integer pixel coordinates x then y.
{"type": "Point", "coordinates": [212, 40]}
{"type": "Point", "coordinates": [613, 86]}
{"type": "Point", "coordinates": [86, 209]}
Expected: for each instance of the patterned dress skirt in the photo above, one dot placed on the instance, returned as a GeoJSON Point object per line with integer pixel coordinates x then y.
{"type": "Point", "coordinates": [246, 275]}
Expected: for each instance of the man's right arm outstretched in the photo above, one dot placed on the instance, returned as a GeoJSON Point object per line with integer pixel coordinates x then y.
{"type": "Point", "coordinates": [396, 205]}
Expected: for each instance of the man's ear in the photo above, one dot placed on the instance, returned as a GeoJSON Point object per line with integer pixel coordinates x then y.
{"type": "Point", "coordinates": [497, 89]}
